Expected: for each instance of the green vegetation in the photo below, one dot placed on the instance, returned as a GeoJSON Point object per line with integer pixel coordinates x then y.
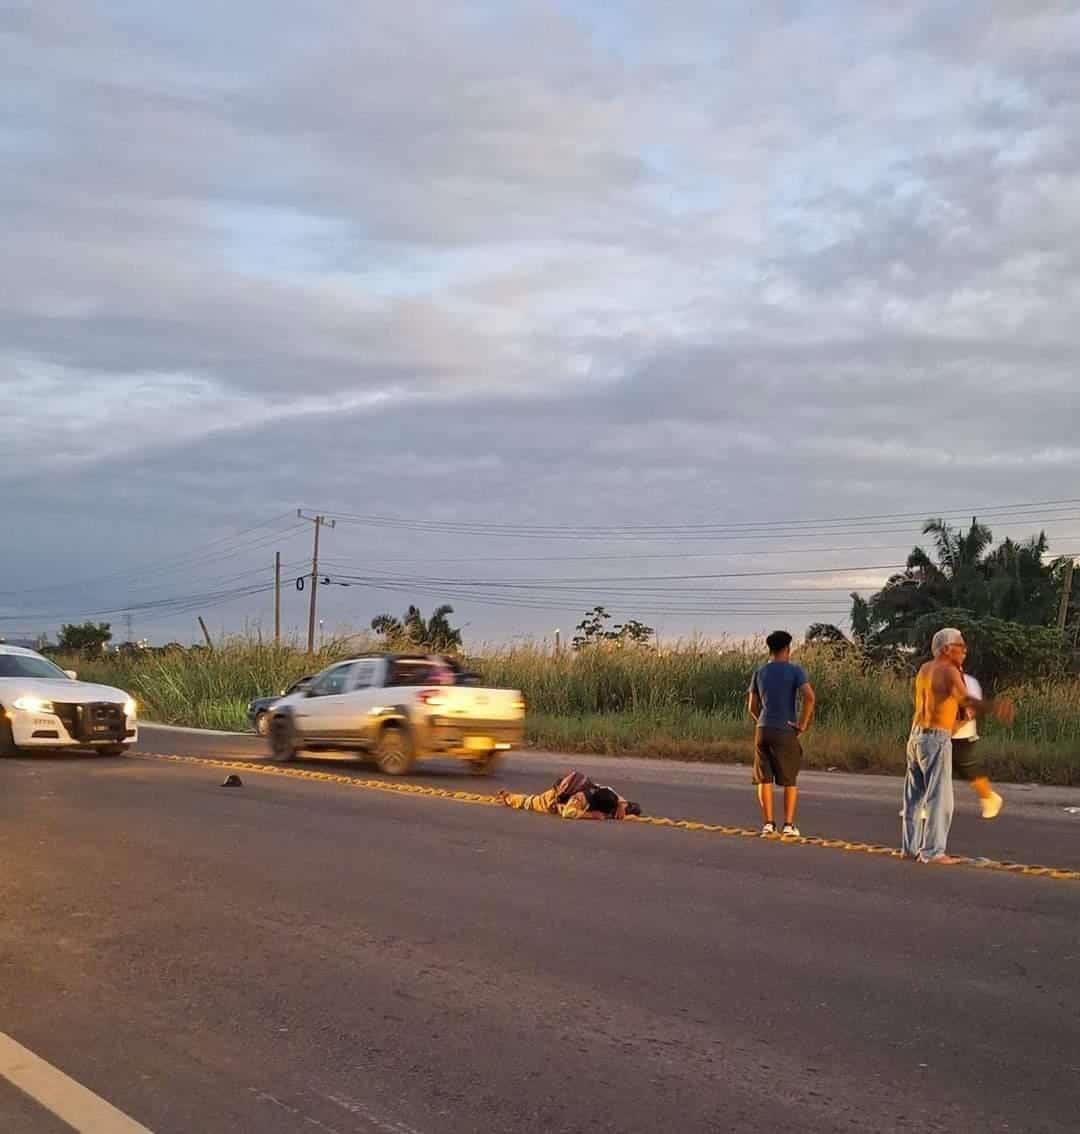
{"type": "Point", "coordinates": [686, 702]}
{"type": "Point", "coordinates": [86, 638]}
{"type": "Point", "coordinates": [415, 632]}
{"type": "Point", "coordinates": [1007, 599]}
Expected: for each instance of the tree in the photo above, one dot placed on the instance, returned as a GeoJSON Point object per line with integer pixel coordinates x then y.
{"type": "Point", "coordinates": [1007, 596]}
{"type": "Point", "coordinates": [88, 638]}
{"type": "Point", "coordinates": [593, 629]}
{"type": "Point", "coordinates": [998, 650]}
{"type": "Point", "coordinates": [826, 634]}
{"type": "Point", "coordinates": [1012, 582]}
{"type": "Point", "coordinates": [414, 632]}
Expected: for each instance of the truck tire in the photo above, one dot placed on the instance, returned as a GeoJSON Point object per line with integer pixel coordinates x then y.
{"type": "Point", "coordinates": [283, 740]}
{"type": "Point", "coordinates": [110, 749]}
{"type": "Point", "coordinates": [486, 764]}
{"type": "Point", "coordinates": [394, 753]}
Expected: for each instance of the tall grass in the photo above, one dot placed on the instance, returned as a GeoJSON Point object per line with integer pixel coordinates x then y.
{"type": "Point", "coordinates": [208, 688]}
{"type": "Point", "coordinates": [688, 701]}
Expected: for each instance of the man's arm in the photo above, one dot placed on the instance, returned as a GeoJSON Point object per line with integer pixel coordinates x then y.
{"type": "Point", "coordinates": [806, 707]}
{"type": "Point", "coordinates": [753, 704]}
{"type": "Point", "coordinates": [1000, 708]}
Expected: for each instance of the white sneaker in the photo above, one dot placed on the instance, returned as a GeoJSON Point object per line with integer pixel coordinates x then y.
{"type": "Point", "coordinates": [791, 831]}
{"type": "Point", "coordinates": [992, 805]}
{"type": "Point", "coordinates": [768, 829]}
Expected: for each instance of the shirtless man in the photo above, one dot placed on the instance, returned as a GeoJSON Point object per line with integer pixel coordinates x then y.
{"type": "Point", "coordinates": [940, 693]}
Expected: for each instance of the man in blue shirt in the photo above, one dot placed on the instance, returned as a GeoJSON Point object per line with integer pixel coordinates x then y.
{"type": "Point", "coordinates": [777, 751]}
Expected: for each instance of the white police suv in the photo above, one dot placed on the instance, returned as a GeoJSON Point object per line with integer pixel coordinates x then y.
{"type": "Point", "coordinates": [43, 706]}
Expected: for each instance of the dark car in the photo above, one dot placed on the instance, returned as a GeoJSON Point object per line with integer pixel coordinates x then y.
{"type": "Point", "coordinates": [257, 710]}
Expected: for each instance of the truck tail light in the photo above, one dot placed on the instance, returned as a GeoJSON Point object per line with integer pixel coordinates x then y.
{"type": "Point", "coordinates": [431, 697]}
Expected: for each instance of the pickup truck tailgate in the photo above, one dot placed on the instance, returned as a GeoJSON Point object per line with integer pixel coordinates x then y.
{"type": "Point", "coordinates": [465, 702]}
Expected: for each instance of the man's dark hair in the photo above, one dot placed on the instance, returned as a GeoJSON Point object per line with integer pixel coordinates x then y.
{"type": "Point", "coordinates": [633, 808]}
{"type": "Point", "coordinates": [778, 641]}
{"type": "Point", "coordinates": [604, 800]}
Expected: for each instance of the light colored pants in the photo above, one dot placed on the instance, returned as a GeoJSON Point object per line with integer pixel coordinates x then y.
{"type": "Point", "coordinates": [543, 801]}
{"type": "Point", "coordinates": [928, 788]}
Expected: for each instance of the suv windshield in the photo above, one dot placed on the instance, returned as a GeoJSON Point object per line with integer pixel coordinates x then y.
{"type": "Point", "coordinates": [22, 665]}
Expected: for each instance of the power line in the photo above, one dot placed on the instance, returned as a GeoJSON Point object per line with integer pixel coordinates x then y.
{"type": "Point", "coordinates": [849, 524]}
{"type": "Point", "coordinates": [628, 557]}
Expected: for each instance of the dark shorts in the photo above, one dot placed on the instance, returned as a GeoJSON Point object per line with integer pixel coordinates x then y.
{"type": "Point", "coordinates": [777, 756]}
{"type": "Point", "coordinates": [965, 762]}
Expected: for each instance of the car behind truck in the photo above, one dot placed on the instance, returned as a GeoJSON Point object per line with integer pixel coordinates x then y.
{"type": "Point", "coordinates": [400, 709]}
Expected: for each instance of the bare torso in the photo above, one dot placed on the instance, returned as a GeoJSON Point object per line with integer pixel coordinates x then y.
{"type": "Point", "coordinates": [939, 693]}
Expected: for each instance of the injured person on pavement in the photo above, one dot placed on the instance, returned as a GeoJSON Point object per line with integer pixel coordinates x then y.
{"type": "Point", "coordinates": [574, 796]}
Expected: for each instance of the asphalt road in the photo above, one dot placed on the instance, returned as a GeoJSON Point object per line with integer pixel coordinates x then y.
{"type": "Point", "coordinates": [298, 956]}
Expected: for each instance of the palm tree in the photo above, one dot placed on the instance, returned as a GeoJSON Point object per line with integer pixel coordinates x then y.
{"type": "Point", "coordinates": [414, 632]}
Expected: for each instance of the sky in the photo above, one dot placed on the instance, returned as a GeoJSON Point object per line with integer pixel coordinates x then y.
{"type": "Point", "coordinates": [550, 304]}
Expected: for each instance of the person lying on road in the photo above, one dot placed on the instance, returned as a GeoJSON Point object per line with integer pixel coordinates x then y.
{"type": "Point", "coordinates": [574, 796]}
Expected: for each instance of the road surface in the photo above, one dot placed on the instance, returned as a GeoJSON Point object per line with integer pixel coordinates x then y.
{"type": "Point", "coordinates": [301, 956]}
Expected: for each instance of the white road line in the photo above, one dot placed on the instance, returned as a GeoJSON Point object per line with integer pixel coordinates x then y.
{"type": "Point", "coordinates": [71, 1102]}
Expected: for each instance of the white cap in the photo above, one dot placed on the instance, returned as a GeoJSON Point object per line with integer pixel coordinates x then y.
{"type": "Point", "coordinates": [943, 639]}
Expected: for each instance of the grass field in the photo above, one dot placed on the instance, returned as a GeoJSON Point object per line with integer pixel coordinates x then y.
{"type": "Point", "coordinates": [687, 702]}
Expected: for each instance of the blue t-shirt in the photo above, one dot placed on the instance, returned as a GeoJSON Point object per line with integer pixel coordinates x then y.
{"type": "Point", "coordinates": [776, 683]}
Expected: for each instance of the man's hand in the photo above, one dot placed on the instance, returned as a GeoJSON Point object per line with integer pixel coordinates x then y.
{"type": "Point", "coordinates": [796, 727]}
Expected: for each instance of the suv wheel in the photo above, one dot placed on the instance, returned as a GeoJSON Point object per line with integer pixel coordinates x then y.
{"type": "Point", "coordinates": [7, 741]}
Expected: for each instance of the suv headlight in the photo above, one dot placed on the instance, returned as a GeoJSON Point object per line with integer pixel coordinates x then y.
{"type": "Point", "coordinates": [130, 707]}
{"type": "Point", "coordinates": [29, 704]}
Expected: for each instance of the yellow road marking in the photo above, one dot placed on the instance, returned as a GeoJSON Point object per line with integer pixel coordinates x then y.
{"type": "Point", "coordinates": [487, 800]}
{"type": "Point", "coordinates": [50, 1088]}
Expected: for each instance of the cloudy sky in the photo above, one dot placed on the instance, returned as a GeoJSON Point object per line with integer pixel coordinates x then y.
{"type": "Point", "coordinates": [575, 300]}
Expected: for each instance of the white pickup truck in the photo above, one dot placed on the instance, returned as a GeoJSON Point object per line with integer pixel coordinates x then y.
{"type": "Point", "coordinates": [399, 708]}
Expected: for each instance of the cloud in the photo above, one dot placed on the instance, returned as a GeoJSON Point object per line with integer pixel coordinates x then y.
{"type": "Point", "coordinates": [627, 264]}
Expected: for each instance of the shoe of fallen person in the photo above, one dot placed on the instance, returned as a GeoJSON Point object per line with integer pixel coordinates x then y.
{"type": "Point", "coordinates": [992, 805]}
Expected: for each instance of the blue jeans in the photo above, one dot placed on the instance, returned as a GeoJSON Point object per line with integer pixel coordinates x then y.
{"type": "Point", "coordinates": [928, 786]}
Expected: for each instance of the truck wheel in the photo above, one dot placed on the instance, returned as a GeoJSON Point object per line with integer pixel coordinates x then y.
{"type": "Point", "coordinates": [486, 764]}
{"type": "Point", "coordinates": [394, 752]}
{"type": "Point", "coordinates": [283, 746]}
{"type": "Point", "coordinates": [111, 749]}
{"type": "Point", "coordinates": [7, 741]}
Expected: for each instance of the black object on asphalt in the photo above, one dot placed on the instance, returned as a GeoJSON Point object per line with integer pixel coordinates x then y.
{"type": "Point", "coordinates": [233, 781]}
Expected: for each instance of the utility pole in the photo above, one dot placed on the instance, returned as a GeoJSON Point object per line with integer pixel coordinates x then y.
{"type": "Point", "coordinates": [319, 522]}
{"type": "Point", "coordinates": [206, 633]}
{"type": "Point", "coordinates": [277, 598]}
{"type": "Point", "coordinates": [1066, 594]}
